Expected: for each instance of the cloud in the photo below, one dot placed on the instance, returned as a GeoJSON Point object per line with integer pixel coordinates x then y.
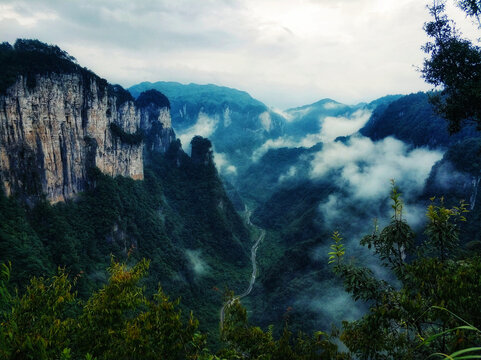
{"type": "Point", "coordinates": [266, 120]}
{"type": "Point", "coordinates": [291, 173]}
{"type": "Point", "coordinates": [205, 127]}
{"type": "Point", "coordinates": [227, 118]}
{"type": "Point", "coordinates": [288, 117]}
{"type": "Point", "coordinates": [197, 264]}
{"type": "Point", "coordinates": [223, 165]}
{"type": "Point", "coordinates": [333, 127]}
{"type": "Point", "coordinates": [447, 177]}
{"type": "Point", "coordinates": [273, 144]}
{"type": "Point", "coordinates": [332, 105]}
{"type": "Point", "coordinates": [366, 167]}
{"type": "Point", "coordinates": [330, 303]}
{"type": "Point", "coordinates": [285, 53]}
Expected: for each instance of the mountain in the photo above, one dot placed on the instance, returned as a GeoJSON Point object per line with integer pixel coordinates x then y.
{"type": "Point", "coordinates": [412, 119]}
{"type": "Point", "coordinates": [278, 167]}
{"type": "Point", "coordinates": [311, 119]}
{"type": "Point", "coordinates": [308, 119]}
{"type": "Point", "coordinates": [58, 121]}
{"type": "Point", "coordinates": [236, 123]}
{"type": "Point", "coordinates": [89, 173]}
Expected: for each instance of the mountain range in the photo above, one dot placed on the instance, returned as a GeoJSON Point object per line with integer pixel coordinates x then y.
{"type": "Point", "coordinates": [175, 173]}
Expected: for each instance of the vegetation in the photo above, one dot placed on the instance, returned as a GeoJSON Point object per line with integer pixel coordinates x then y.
{"type": "Point", "coordinates": [117, 322]}
{"type": "Point", "coordinates": [413, 119]}
{"type": "Point", "coordinates": [31, 58]}
{"type": "Point", "coordinates": [428, 303]}
{"type": "Point", "coordinates": [405, 316]}
{"type": "Point", "coordinates": [152, 97]}
{"type": "Point", "coordinates": [179, 208]}
{"type": "Point", "coordinates": [125, 137]}
{"type": "Point", "coordinates": [455, 65]}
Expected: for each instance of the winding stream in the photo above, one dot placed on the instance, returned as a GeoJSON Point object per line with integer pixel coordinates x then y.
{"type": "Point", "coordinates": [254, 271]}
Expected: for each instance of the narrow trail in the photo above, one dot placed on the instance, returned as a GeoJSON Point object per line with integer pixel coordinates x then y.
{"type": "Point", "coordinates": [254, 270]}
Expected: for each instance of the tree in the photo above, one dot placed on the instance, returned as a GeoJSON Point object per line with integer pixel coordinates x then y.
{"type": "Point", "coordinates": [454, 64]}
{"type": "Point", "coordinates": [244, 341]}
{"type": "Point", "coordinates": [116, 322]}
{"type": "Point", "coordinates": [404, 313]}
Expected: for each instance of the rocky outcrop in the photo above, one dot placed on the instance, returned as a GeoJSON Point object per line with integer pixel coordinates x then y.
{"type": "Point", "coordinates": [202, 153]}
{"type": "Point", "coordinates": [52, 134]}
{"type": "Point", "coordinates": [155, 121]}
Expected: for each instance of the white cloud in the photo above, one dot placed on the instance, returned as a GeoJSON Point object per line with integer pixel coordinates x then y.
{"type": "Point", "coordinates": [284, 52]}
{"type": "Point", "coordinates": [288, 117]}
{"type": "Point", "coordinates": [24, 19]}
{"type": "Point", "coordinates": [367, 167]}
{"type": "Point", "coordinates": [205, 126]}
{"type": "Point", "coordinates": [330, 302]}
{"type": "Point", "coordinates": [292, 172]}
{"type": "Point", "coordinates": [197, 264]}
{"type": "Point", "coordinates": [332, 105]}
{"type": "Point", "coordinates": [266, 120]}
{"type": "Point", "coordinates": [227, 118]}
{"type": "Point", "coordinates": [223, 165]}
{"type": "Point", "coordinates": [296, 114]}
{"type": "Point", "coordinates": [333, 127]}
{"type": "Point", "coordinates": [447, 177]}
{"type": "Point", "coordinates": [273, 144]}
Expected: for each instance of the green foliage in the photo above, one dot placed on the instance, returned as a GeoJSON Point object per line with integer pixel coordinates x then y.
{"type": "Point", "coordinates": [121, 95]}
{"type": "Point", "coordinates": [396, 240]}
{"type": "Point", "coordinates": [442, 231]}
{"type": "Point", "coordinates": [179, 206]}
{"type": "Point", "coordinates": [116, 322]}
{"type": "Point", "coordinates": [31, 58]}
{"type": "Point", "coordinates": [338, 249]}
{"type": "Point", "coordinates": [20, 244]}
{"type": "Point", "coordinates": [246, 341]}
{"type": "Point", "coordinates": [464, 352]}
{"type": "Point", "coordinates": [454, 64]}
{"type": "Point", "coordinates": [125, 137]}
{"type": "Point", "coordinates": [38, 326]}
{"type": "Point", "coordinates": [404, 314]}
{"type": "Point", "coordinates": [152, 97]}
{"type": "Point", "coordinates": [412, 119]}
{"type": "Point", "coordinates": [471, 7]}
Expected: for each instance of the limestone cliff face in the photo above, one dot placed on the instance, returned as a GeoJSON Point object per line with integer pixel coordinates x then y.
{"type": "Point", "coordinates": [155, 121]}
{"type": "Point", "coordinates": [51, 135]}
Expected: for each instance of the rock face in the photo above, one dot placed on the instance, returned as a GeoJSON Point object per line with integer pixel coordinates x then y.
{"type": "Point", "coordinates": [155, 121]}
{"type": "Point", "coordinates": [51, 135]}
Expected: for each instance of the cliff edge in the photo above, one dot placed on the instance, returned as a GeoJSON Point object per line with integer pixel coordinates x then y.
{"type": "Point", "coordinates": [59, 120]}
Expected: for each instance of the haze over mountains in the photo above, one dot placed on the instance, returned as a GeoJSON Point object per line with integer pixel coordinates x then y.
{"type": "Point", "coordinates": [176, 174]}
{"type": "Point", "coordinates": [311, 168]}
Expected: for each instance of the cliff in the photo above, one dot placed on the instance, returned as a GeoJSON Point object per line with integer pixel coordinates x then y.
{"type": "Point", "coordinates": [54, 127]}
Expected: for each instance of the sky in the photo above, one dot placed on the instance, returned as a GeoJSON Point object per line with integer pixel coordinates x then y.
{"type": "Point", "coordinates": [285, 53]}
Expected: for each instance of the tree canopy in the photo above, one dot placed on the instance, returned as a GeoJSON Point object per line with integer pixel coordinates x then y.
{"type": "Point", "coordinates": [454, 65]}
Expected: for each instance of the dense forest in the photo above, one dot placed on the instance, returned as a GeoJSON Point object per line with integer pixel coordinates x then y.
{"type": "Point", "coordinates": [91, 278]}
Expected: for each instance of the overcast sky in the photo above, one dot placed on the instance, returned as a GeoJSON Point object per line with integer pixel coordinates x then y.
{"type": "Point", "coordinates": [284, 52]}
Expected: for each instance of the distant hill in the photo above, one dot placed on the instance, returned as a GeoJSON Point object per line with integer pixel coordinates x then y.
{"type": "Point", "coordinates": [309, 119]}
{"type": "Point", "coordinates": [411, 119]}
{"type": "Point", "coordinates": [236, 123]}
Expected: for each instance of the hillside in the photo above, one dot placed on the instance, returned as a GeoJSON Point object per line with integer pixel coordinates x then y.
{"type": "Point", "coordinates": [412, 119]}
{"type": "Point", "coordinates": [236, 123]}
{"type": "Point", "coordinates": [110, 179]}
